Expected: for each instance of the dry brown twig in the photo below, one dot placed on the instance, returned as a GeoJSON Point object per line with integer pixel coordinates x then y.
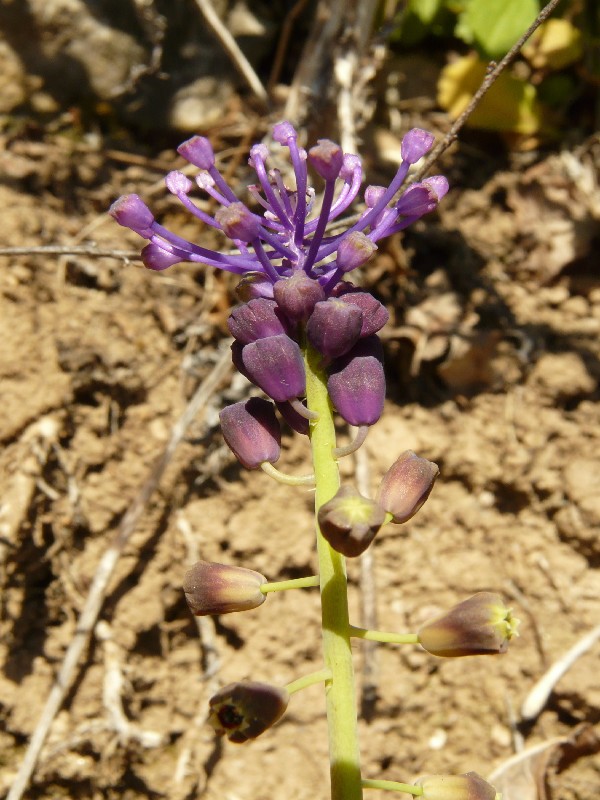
{"type": "Point", "coordinates": [95, 598]}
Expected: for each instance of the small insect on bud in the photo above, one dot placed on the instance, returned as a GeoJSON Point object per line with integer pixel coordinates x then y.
{"type": "Point", "coordinates": [406, 485]}
{"type": "Point", "coordinates": [244, 710]}
{"type": "Point", "coordinates": [481, 625]}
{"type": "Point", "coordinates": [469, 786]}
{"type": "Point", "coordinates": [350, 521]}
{"type": "Point", "coordinates": [211, 588]}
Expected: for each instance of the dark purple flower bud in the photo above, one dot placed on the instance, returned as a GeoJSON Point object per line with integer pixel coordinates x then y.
{"type": "Point", "coordinates": [481, 625]}
{"type": "Point", "coordinates": [251, 430]}
{"type": "Point", "coordinates": [130, 211]}
{"type": "Point", "coordinates": [469, 786]}
{"type": "Point", "coordinates": [198, 151]}
{"type": "Point", "coordinates": [374, 314]}
{"type": "Point", "coordinates": [211, 588]}
{"type": "Point", "coordinates": [253, 285]}
{"type": "Point", "coordinates": [236, 358]}
{"type": "Point", "coordinates": [407, 485]}
{"type": "Point", "coordinates": [354, 251]}
{"type": "Point", "coordinates": [254, 320]}
{"type": "Point", "coordinates": [415, 144]}
{"type": "Point", "coordinates": [326, 158]}
{"type": "Point", "coordinates": [242, 711]}
{"type": "Point", "coordinates": [295, 420]}
{"type": "Point", "coordinates": [356, 383]}
{"type": "Point", "coordinates": [350, 521]}
{"type": "Point", "coordinates": [298, 295]}
{"type": "Point", "coordinates": [334, 327]}
{"type": "Point", "coordinates": [283, 132]}
{"type": "Point", "coordinates": [275, 365]}
{"type": "Point", "coordinates": [177, 182]}
{"type": "Point", "coordinates": [238, 222]}
{"type": "Point", "coordinates": [154, 257]}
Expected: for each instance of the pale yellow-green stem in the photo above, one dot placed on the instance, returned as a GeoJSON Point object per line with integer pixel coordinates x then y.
{"type": "Point", "coordinates": [340, 693]}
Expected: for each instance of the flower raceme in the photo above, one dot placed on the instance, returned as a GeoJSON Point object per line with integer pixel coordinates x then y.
{"type": "Point", "coordinates": [292, 269]}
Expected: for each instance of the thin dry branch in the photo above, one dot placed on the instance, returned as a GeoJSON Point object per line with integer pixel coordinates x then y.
{"type": "Point", "coordinates": [95, 598]}
{"type": "Point", "coordinates": [71, 250]}
{"type": "Point", "coordinates": [494, 72]}
{"type": "Point", "coordinates": [239, 60]}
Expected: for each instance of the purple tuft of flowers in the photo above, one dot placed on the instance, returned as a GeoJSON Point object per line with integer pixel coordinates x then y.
{"type": "Point", "coordinates": [291, 269]}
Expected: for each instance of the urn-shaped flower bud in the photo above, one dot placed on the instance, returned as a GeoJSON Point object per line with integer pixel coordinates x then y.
{"type": "Point", "coordinates": [254, 320]}
{"type": "Point", "coordinates": [211, 588]}
{"type": "Point", "coordinates": [415, 144]}
{"type": "Point", "coordinates": [238, 222]}
{"type": "Point", "coordinates": [469, 786]}
{"type": "Point", "coordinates": [298, 295]}
{"type": "Point", "coordinates": [327, 158]}
{"type": "Point", "coordinates": [244, 710]}
{"type": "Point", "coordinates": [198, 151]}
{"type": "Point", "coordinates": [334, 327]}
{"type": "Point", "coordinates": [374, 314]}
{"type": "Point", "coordinates": [356, 383]}
{"type": "Point", "coordinates": [354, 251]}
{"type": "Point", "coordinates": [154, 257]}
{"type": "Point", "coordinates": [406, 485]}
{"type": "Point", "coordinates": [478, 626]}
{"type": "Point", "coordinates": [251, 430]}
{"type": "Point", "coordinates": [131, 212]}
{"type": "Point", "coordinates": [275, 365]}
{"type": "Point", "coordinates": [350, 521]}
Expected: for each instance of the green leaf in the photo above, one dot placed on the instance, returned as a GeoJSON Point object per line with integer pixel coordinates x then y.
{"type": "Point", "coordinates": [493, 26]}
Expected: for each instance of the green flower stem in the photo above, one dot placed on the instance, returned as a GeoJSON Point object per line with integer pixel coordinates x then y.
{"type": "Point", "coordinates": [340, 694]}
{"type": "Point", "coordinates": [308, 680]}
{"type": "Point", "coordinates": [293, 583]}
{"type": "Point", "coordinates": [283, 477]}
{"type": "Point", "coordinates": [384, 636]}
{"type": "Point", "coordinates": [394, 786]}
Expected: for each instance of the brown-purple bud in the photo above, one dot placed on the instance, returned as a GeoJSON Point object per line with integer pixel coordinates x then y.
{"type": "Point", "coordinates": [221, 589]}
{"type": "Point", "coordinates": [406, 485]}
{"type": "Point", "coordinates": [242, 711]}
{"type": "Point", "coordinates": [481, 625]}
{"type": "Point", "coordinates": [469, 786]}
{"type": "Point", "coordinates": [350, 521]}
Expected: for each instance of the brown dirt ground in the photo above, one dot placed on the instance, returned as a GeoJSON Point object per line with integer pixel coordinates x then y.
{"type": "Point", "coordinates": [493, 364]}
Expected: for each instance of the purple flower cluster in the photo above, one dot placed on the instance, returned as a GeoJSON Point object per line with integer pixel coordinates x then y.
{"type": "Point", "coordinates": [292, 288]}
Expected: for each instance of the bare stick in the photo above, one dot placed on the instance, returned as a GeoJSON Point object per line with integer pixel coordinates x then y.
{"type": "Point", "coordinates": [93, 604]}
{"type": "Point", "coordinates": [70, 250]}
{"type": "Point", "coordinates": [538, 696]}
{"type": "Point", "coordinates": [239, 60]}
{"type": "Point", "coordinates": [494, 72]}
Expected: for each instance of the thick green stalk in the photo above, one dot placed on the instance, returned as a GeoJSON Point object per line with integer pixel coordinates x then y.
{"type": "Point", "coordinates": [340, 693]}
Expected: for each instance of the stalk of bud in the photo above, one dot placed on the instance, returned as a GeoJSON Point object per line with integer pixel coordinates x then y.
{"type": "Point", "coordinates": [211, 588]}
{"type": "Point", "coordinates": [407, 485]}
{"type": "Point", "coordinates": [481, 625]}
{"type": "Point", "coordinates": [244, 710]}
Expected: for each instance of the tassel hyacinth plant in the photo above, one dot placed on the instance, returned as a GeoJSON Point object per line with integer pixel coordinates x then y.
{"type": "Point", "coordinates": [307, 337]}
